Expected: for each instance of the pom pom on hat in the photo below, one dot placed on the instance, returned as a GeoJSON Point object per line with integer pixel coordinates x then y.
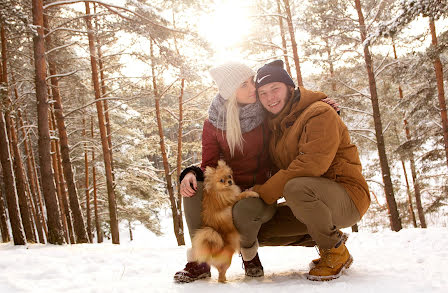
{"type": "Point", "coordinates": [273, 72]}
{"type": "Point", "coordinates": [229, 76]}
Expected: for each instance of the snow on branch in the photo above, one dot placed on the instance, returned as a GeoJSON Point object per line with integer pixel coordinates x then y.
{"type": "Point", "coordinates": [60, 47]}
{"type": "Point", "coordinates": [379, 70]}
{"type": "Point", "coordinates": [64, 29]}
{"type": "Point", "coordinates": [108, 6]}
{"type": "Point", "coordinates": [353, 89]}
{"type": "Point", "coordinates": [387, 127]}
{"type": "Point", "coordinates": [171, 113]}
{"type": "Point", "coordinates": [91, 103]}
{"type": "Point", "coordinates": [364, 136]}
{"type": "Point", "coordinates": [61, 74]}
{"type": "Point", "coordinates": [408, 11]}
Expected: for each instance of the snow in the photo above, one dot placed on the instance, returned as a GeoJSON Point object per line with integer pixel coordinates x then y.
{"type": "Point", "coordinates": [412, 260]}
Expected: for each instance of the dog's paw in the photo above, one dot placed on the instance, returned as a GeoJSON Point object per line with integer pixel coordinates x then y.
{"type": "Point", "coordinates": [249, 193]}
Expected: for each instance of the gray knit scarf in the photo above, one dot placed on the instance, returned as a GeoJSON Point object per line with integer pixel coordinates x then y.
{"type": "Point", "coordinates": [251, 115]}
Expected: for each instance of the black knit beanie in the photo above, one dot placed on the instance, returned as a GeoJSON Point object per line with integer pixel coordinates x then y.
{"type": "Point", "coordinates": [273, 72]}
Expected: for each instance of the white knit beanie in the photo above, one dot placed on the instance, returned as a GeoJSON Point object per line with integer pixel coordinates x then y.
{"type": "Point", "coordinates": [229, 76]}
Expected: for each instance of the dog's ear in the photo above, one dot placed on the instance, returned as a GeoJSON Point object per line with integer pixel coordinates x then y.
{"type": "Point", "coordinates": [222, 163]}
{"type": "Point", "coordinates": [209, 171]}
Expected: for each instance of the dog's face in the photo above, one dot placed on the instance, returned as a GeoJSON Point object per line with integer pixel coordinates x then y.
{"type": "Point", "coordinates": [220, 178]}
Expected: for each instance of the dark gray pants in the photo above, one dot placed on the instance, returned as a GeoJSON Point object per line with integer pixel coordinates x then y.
{"type": "Point", "coordinates": [315, 208]}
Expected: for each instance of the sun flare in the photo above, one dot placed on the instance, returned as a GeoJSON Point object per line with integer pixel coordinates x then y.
{"type": "Point", "coordinates": [228, 24]}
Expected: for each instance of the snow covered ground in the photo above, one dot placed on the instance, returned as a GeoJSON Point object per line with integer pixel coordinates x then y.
{"type": "Point", "coordinates": [412, 260]}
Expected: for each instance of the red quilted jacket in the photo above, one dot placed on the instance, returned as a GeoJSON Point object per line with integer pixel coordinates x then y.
{"type": "Point", "coordinates": [250, 167]}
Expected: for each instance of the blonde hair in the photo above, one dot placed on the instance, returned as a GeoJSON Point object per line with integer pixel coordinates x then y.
{"type": "Point", "coordinates": [234, 136]}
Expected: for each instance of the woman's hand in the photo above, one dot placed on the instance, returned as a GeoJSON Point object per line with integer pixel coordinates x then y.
{"type": "Point", "coordinates": [332, 103]}
{"type": "Point", "coordinates": [186, 184]}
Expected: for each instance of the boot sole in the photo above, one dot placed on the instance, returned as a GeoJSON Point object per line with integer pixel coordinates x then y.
{"type": "Point", "coordinates": [347, 264]}
{"type": "Point", "coordinates": [186, 279]}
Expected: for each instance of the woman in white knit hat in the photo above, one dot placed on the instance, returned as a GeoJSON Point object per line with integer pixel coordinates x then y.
{"type": "Point", "coordinates": [236, 132]}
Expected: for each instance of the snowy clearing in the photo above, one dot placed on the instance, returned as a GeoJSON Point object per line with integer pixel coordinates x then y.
{"type": "Point", "coordinates": [412, 260]}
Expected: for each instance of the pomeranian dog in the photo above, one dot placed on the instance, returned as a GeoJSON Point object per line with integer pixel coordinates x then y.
{"type": "Point", "coordinates": [218, 240]}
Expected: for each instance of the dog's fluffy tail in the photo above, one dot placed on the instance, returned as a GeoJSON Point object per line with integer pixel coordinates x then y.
{"type": "Point", "coordinates": [207, 242]}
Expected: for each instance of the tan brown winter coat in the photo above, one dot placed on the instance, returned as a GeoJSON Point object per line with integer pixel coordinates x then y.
{"type": "Point", "coordinates": [309, 139]}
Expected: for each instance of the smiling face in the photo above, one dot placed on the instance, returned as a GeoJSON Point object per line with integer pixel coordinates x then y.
{"type": "Point", "coordinates": [246, 93]}
{"type": "Point", "coordinates": [273, 96]}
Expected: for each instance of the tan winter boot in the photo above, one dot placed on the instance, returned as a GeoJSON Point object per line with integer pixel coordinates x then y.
{"type": "Point", "coordinates": [331, 265]}
{"type": "Point", "coordinates": [344, 238]}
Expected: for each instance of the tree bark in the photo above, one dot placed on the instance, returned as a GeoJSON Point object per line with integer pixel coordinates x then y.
{"type": "Point", "coordinates": [17, 158]}
{"type": "Point", "coordinates": [408, 188]}
{"type": "Point", "coordinates": [36, 181]}
{"type": "Point", "coordinates": [99, 232]}
{"type": "Point", "coordinates": [103, 132]}
{"type": "Point", "coordinates": [438, 68]}
{"type": "Point", "coordinates": [174, 210]}
{"type": "Point", "coordinates": [55, 231]}
{"type": "Point", "coordinates": [282, 33]}
{"type": "Point", "coordinates": [86, 184]}
{"type": "Point", "coordinates": [179, 159]}
{"type": "Point", "coordinates": [60, 188]}
{"type": "Point", "coordinates": [417, 194]}
{"type": "Point", "coordinates": [10, 186]}
{"type": "Point", "coordinates": [4, 229]}
{"type": "Point", "coordinates": [40, 221]}
{"type": "Point", "coordinates": [75, 207]}
{"type": "Point", "coordinates": [103, 94]}
{"type": "Point", "coordinates": [395, 220]}
{"type": "Point", "coordinates": [27, 221]}
{"type": "Point", "coordinates": [5, 154]}
{"type": "Point", "coordinates": [331, 64]}
{"type": "Point", "coordinates": [11, 196]}
{"type": "Point", "coordinates": [293, 42]}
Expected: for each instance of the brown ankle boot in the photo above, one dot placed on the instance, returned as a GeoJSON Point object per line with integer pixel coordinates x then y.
{"type": "Point", "coordinates": [343, 239]}
{"type": "Point", "coordinates": [332, 263]}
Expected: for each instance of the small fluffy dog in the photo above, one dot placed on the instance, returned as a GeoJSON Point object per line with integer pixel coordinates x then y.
{"type": "Point", "coordinates": [218, 240]}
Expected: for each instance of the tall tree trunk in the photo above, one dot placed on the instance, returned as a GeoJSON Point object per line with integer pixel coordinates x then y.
{"type": "Point", "coordinates": [75, 207]}
{"type": "Point", "coordinates": [60, 188]}
{"type": "Point", "coordinates": [5, 154]}
{"type": "Point", "coordinates": [103, 132]}
{"type": "Point", "coordinates": [17, 158]}
{"type": "Point", "coordinates": [40, 221]}
{"type": "Point", "coordinates": [395, 220]}
{"type": "Point", "coordinates": [31, 194]}
{"type": "Point", "coordinates": [103, 93]}
{"type": "Point", "coordinates": [293, 42]}
{"type": "Point", "coordinates": [440, 90]}
{"type": "Point", "coordinates": [36, 183]}
{"type": "Point", "coordinates": [55, 231]}
{"type": "Point", "coordinates": [20, 184]}
{"type": "Point", "coordinates": [174, 209]}
{"type": "Point", "coordinates": [408, 188]}
{"type": "Point", "coordinates": [86, 183]}
{"type": "Point", "coordinates": [331, 64]}
{"type": "Point", "coordinates": [4, 229]}
{"type": "Point", "coordinates": [130, 231]}
{"type": "Point", "coordinates": [282, 33]}
{"type": "Point", "coordinates": [3, 217]}
{"type": "Point", "coordinates": [179, 159]}
{"type": "Point", "coordinates": [99, 232]}
{"type": "Point", "coordinates": [418, 201]}
{"type": "Point", "coordinates": [10, 186]}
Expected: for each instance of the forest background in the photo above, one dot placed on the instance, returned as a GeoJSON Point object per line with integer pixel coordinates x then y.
{"type": "Point", "coordinates": [102, 103]}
